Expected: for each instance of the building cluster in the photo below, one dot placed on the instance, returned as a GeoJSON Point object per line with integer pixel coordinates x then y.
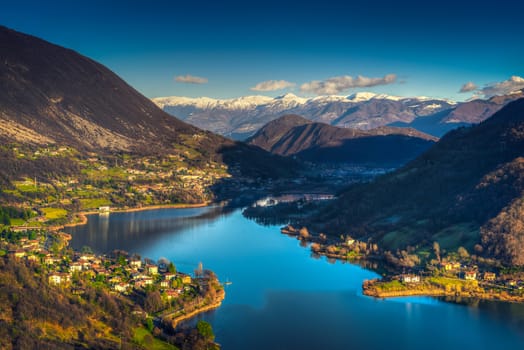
{"type": "Point", "coordinates": [455, 269]}
{"type": "Point", "coordinates": [119, 272]}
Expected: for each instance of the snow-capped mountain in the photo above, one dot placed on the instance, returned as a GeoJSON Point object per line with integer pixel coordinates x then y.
{"type": "Point", "coordinates": [243, 116]}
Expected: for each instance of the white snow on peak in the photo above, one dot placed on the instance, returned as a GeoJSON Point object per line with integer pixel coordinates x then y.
{"type": "Point", "coordinates": [283, 102]}
{"type": "Point", "coordinates": [329, 98]}
{"type": "Point", "coordinates": [387, 97]}
{"type": "Point", "coordinates": [433, 106]}
{"type": "Point", "coordinates": [361, 96]}
{"type": "Point", "coordinates": [289, 97]}
{"type": "Point", "coordinates": [366, 96]}
{"type": "Point", "coordinates": [244, 102]}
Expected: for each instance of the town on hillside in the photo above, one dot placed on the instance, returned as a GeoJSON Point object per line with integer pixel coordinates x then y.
{"type": "Point", "coordinates": [157, 289]}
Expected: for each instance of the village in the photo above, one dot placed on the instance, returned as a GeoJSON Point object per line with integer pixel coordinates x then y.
{"type": "Point", "coordinates": [120, 180]}
{"type": "Point", "coordinates": [449, 278]}
{"type": "Point", "coordinates": [120, 273]}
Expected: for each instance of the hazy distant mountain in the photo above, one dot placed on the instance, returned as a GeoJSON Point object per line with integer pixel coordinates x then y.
{"type": "Point", "coordinates": [292, 135]}
{"type": "Point", "coordinates": [467, 189]}
{"type": "Point", "coordinates": [242, 117]}
{"type": "Point", "coordinates": [463, 114]}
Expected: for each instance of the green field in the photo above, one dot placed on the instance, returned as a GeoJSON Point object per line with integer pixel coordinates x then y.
{"type": "Point", "coordinates": [54, 213]}
{"type": "Point", "coordinates": [94, 203]}
{"type": "Point", "coordinates": [155, 344]}
{"type": "Point", "coordinates": [465, 235]}
{"type": "Point", "coordinates": [453, 283]}
{"type": "Point", "coordinates": [17, 222]}
{"type": "Point", "coordinates": [392, 286]}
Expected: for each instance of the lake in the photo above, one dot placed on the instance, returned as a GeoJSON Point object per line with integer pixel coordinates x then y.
{"type": "Point", "coordinates": [283, 298]}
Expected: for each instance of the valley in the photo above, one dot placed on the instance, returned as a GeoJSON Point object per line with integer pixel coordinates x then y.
{"type": "Point", "coordinates": [105, 193]}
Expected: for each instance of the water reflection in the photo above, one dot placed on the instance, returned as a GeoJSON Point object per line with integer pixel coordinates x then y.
{"type": "Point", "coordinates": [133, 230]}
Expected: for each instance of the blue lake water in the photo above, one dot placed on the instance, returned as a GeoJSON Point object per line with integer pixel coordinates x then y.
{"type": "Point", "coordinates": [282, 298]}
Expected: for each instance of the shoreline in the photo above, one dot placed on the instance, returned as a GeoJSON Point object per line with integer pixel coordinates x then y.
{"type": "Point", "coordinates": [375, 262]}
{"type": "Point", "coordinates": [83, 215]}
{"type": "Point", "coordinates": [368, 289]}
{"type": "Point", "coordinates": [442, 293]}
{"type": "Point", "coordinates": [163, 206]}
{"type": "Point", "coordinates": [175, 321]}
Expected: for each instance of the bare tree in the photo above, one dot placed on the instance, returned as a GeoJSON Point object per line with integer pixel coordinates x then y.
{"type": "Point", "coordinates": [436, 249]}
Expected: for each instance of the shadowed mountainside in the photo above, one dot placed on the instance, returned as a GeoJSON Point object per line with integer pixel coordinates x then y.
{"type": "Point", "coordinates": [465, 190]}
{"type": "Point", "coordinates": [293, 135]}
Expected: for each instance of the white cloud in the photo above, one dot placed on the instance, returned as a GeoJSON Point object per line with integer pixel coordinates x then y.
{"type": "Point", "coordinates": [505, 87]}
{"type": "Point", "coordinates": [336, 85]}
{"type": "Point", "coordinates": [272, 85]}
{"type": "Point", "coordinates": [468, 87]}
{"type": "Point", "coordinates": [190, 79]}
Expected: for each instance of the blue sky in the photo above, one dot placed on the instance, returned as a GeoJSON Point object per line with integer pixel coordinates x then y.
{"type": "Point", "coordinates": [432, 48]}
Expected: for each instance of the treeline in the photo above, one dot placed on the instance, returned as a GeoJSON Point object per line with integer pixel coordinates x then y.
{"type": "Point", "coordinates": [504, 235]}
{"type": "Point", "coordinates": [15, 236]}
{"type": "Point", "coordinates": [8, 213]}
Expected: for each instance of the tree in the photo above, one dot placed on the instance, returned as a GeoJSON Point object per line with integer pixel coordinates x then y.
{"type": "Point", "coordinates": [87, 250]}
{"type": "Point", "coordinates": [205, 330]}
{"type": "Point", "coordinates": [436, 249]}
{"type": "Point", "coordinates": [304, 233]}
{"type": "Point", "coordinates": [122, 260]}
{"type": "Point", "coordinates": [171, 268]}
{"type": "Point", "coordinates": [149, 324]}
{"type": "Point", "coordinates": [478, 248]}
{"type": "Point", "coordinates": [153, 302]}
{"type": "Point", "coordinates": [463, 253]}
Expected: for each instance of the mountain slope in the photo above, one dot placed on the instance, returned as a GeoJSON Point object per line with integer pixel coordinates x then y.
{"type": "Point", "coordinates": [457, 193]}
{"type": "Point", "coordinates": [70, 123]}
{"type": "Point", "coordinates": [293, 135]}
{"type": "Point", "coordinates": [55, 95]}
{"type": "Point", "coordinates": [242, 117]}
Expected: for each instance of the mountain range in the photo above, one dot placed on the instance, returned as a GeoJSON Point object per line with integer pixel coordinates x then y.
{"type": "Point", "coordinates": [240, 118]}
{"type": "Point", "coordinates": [292, 135]}
{"type": "Point", "coordinates": [466, 191]}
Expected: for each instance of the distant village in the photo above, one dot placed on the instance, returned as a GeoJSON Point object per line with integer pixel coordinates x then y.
{"type": "Point", "coordinates": [456, 274]}
{"type": "Point", "coordinates": [464, 271]}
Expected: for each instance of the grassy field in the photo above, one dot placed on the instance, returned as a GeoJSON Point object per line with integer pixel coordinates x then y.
{"type": "Point", "coordinates": [392, 286]}
{"type": "Point", "coordinates": [17, 222]}
{"type": "Point", "coordinates": [94, 203]}
{"type": "Point", "coordinates": [153, 343]}
{"type": "Point", "coordinates": [54, 213]}
{"type": "Point", "coordinates": [465, 235]}
{"type": "Point", "coordinates": [453, 283]}
{"type": "Point", "coordinates": [399, 238]}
